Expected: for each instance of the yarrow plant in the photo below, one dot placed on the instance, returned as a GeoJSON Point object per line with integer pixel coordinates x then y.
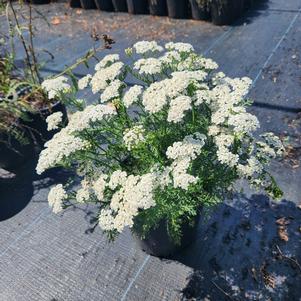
{"type": "Point", "coordinates": [161, 149]}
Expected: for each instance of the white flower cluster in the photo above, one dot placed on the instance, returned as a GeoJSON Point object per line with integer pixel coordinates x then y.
{"type": "Point", "coordinates": [83, 194]}
{"type": "Point", "coordinates": [55, 86]}
{"type": "Point", "coordinates": [180, 47]}
{"type": "Point", "coordinates": [149, 66]}
{"type": "Point", "coordinates": [84, 82]}
{"type": "Point", "coordinates": [56, 196]}
{"type": "Point", "coordinates": [178, 106]}
{"type": "Point", "coordinates": [132, 95]}
{"type": "Point", "coordinates": [54, 120]}
{"type": "Point", "coordinates": [64, 143]}
{"type": "Point", "coordinates": [112, 91]}
{"type": "Point", "coordinates": [183, 153]}
{"type": "Point", "coordinates": [133, 137]}
{"type": "Point", "coordinates": [102, 78]}
{"type": "Point", "coordinates": [133, 193]}
{"type": "Point", "coordinates": [106, 61]}
{"type": "Point", "coordinates": [144, 47]}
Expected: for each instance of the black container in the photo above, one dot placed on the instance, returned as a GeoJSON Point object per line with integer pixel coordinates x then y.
{"type": "Point", "coordinates": [159, 244]}
{"type": "Point", "coordinates": [138, 6]}
{"type": "Point", "coordinates": [38, 124]}
{"type": "Point", "coordinates": [157, 7]}
{"type": "Point", "coordinates": [120, 5]}
{"type": "Point", "coordinates": [13, 154]}
{"type": "Point", "coordinates": [178, 9]}
{"type": "Point", "coordinates": [75, 3]}
{"type": "Point", "coordinates": [105, 5]}
{"type": "Point", "coordinates": [38, 1]}
{"type": "Point", "coordinates": [198, 12]}
{"type": "Point", "coordinates": [226, 13]}
{"type": "Point", "coordinates": [88, 4]}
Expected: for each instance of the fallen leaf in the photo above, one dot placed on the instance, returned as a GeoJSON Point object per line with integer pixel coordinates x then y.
{"type": "Point", "coordinates": [55, 21]}
{"type": "Point", "coordinates": [78, 11]}
{"type": "Point", "coordinates": [282, 221]}
{"type": "Point", "coordinates": [282, 230]}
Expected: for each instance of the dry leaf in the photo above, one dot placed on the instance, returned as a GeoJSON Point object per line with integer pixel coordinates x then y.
{"type": "Point", "coordinates": [55, 21]}
{"type": "Point", "coordinates": [268, 279]}
{"type": "Point", "coordinates": [78, 11]}
{"type": "Point", "coordinates": [282, 231]}
{"type": "Point", "coordinates": [282, 221]}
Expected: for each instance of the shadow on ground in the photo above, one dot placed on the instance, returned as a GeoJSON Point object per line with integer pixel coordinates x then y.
{"type": "Point", "coordinates": [239, 254]}
{"type": "Point", "coordinates": [17, 190]}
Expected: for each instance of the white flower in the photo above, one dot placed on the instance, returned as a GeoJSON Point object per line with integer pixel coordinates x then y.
{"type": "Point", "coordinates": [56, 196]}
{"type": "Point", "coordinates": [106, 220]}
{"type": "Point", "coordinates": [180, 176]}
{"type": "Point", "coordinates": [170, 57]}
{"type": "Point", "coordinates": [82, 195]}
{"type": "Point", "coordinates": [54, 86]}
{"type": "Point", "coordinates": [244, 123]}
{"type": "Point", "coordinates": [133, 137]}
{"type": "Point", "coordinates": [84, 81]}
{"type": "Point", "coordinates": [149, 66]}
{"type": "Point", "coordinates": [143, 47]}
{"type": "Point", "coordinates": [82, 119]}
{"type": "Point", "coordinates": [181, 47]}
{"type": "Point", "coordinates": [107, 60]}
{"type": "Point", "coordinates": [178, 106]}
{"type": "Point", "coordinates": [112, 91]}
{"type": "Point", "coordinates": [60, 147]}
{"type": "Point", "coordinates": [118, 177]}
{"type": "Point", "coordinates": [226, 157]}
{"type": "Point", "coordinates": [248, 170]}
{"type": "Point", "coordinates": [274, 142]}
{"type": "Point", "coordinates": [132, 95]}
{"type": "Point", "coordinates": [54, 120]}
{"type": "Point", "coordinates": [198, 75]}
{"type": "Point", "coordinates": [190, 147]}
{"type": "Point", "coordinates": [103, 77]}
{"type": "Point", "coordinates": [99, 186]}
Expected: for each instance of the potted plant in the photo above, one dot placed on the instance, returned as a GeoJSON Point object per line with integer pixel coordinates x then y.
{"type": "Point", "coordinates": [105, 5]}
{"type": "Point", "coordinates": [177, 9]}
{"type": "Point", "coordinates": [120, 5]}
{"type": "Point", "coordinates": [225, 12]}
{"type": "Point", "coordinates": [200, 9]}
{"type": "Point", "coordinates": [157, 7]}
{"type": "Point", "coordinates": [152, 155]}
{"type": "Point", "coordinates": [137, 6]}
{"type": "Point", "coordinates": [88, 4]}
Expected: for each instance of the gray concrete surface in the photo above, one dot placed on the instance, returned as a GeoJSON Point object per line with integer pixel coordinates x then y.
{"type": "Point", "coordinates": [48, 257]}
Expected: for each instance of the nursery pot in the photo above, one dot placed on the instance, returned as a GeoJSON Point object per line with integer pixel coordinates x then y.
{"type": "Point", "coordinates": [75, 3]}
{"type": "Point", "coordinates": [137, 6]}
{"type": "Point", "coordinates": [157, 7]}
{"type": "Point", "coordinates": [88, 4]}
{"type": "Point", "coordinates": [199, 12]}
{"type": "Point", "coordinates": [159, 244]}
{"type": "Point", "coordinates": [177, 9]}
{"type": "Point", "coordinates": [226, 13]}
{"type": "Point", "coordinates": [13, 154]}
{"type": "Point", "coordinates": [38, 124]}
{"type": "Point", "coordinates": [38, 1]}
{"type": "Point", "coordinates": [120, 5]}
{"type": "Point", "coordinates": [105, 5]}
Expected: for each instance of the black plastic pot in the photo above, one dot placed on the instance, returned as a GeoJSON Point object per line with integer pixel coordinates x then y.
{"type": "Point", "coordinates": [198, 12]}
{"type": "Point", "coordinates": [38, 1]}
{"type": "Point", "coordinates": [13, 154]}
{"type": "Point", "coordinates": [226, 13]}
{"type": "Point", "coordinates": [138, 6]}
{"type": "Point", "coordinates": [105, 5]}
{"type": "Point", "coordinates": [38, 126]}
{"type": "Point", "coordinates": [159, 244]}
{"type": "Point", "coordinates": [177, 9]}
{"type": "Point", "coordinates": [157, 7]}
{"type": "Point", "coordinates": [120, 5]}
{"type": "Point", "coordinates": [88, 4]}
{"type": "Point", "coordinates": [75, 3]}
